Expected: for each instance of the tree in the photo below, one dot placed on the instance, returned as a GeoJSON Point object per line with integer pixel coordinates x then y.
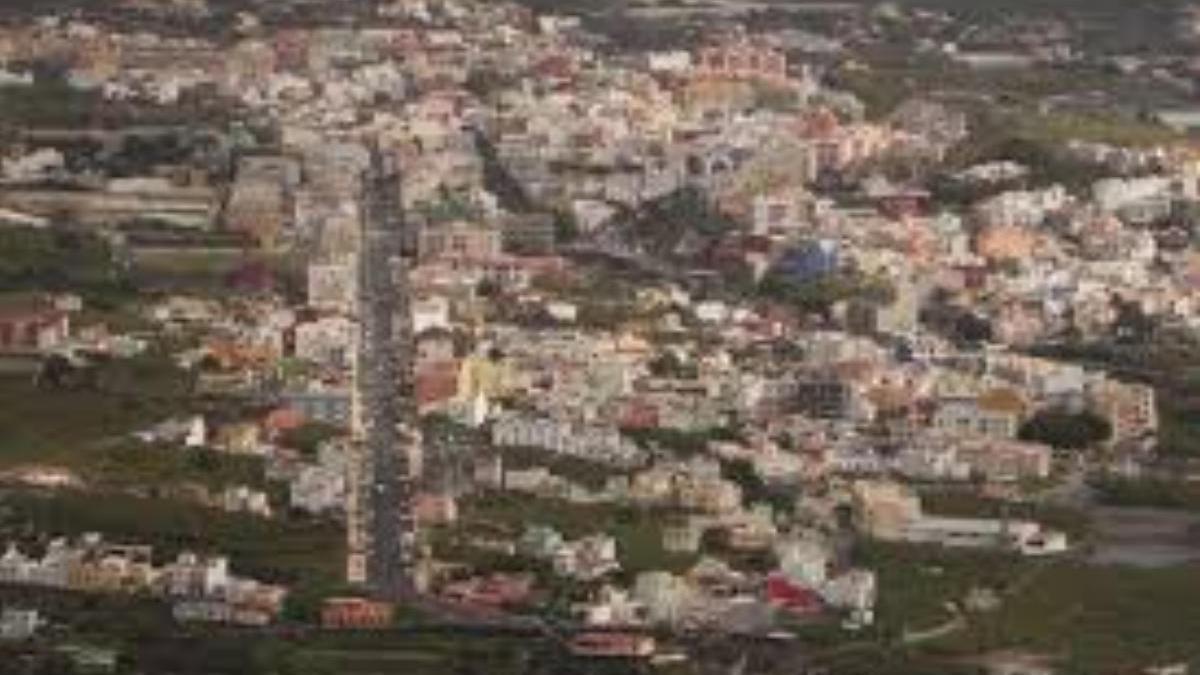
{"type": "Point", "coordinates": [1066, 430]}
{"type": "Point", "coordinates": [754, 489]}
{"type": "Point", "coordinates": [566, 230]}
{"type": "Point", "coordinates": [307, 438]}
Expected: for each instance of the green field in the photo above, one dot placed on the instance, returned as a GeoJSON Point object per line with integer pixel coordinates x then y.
{"type": "Point", "coordinates": [917, 583]}
{"type": "Point", "coordinates": [59, 426]}
{"type": "Point", "coordinates": [1099, 619]}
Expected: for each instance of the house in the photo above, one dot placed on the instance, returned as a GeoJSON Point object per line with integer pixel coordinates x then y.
{"type": "Point", "coordinates": [430, 313]}
{"type": "Point", "coordinates": [529, 234]}
{"type": "Point", "coordinates": [331, 286]}
{"type": "Point", "coordinates": [239, 438]}
{"type": "Point", "coordinates": [891, 512]}
{"type": "Point", "coordinates": [613, 607]}
{"type": "Point", "coordinates": [741, 60]}
{"type": "Point", "coordinates": [668, 598]}
{"type": "Point", "coordinates": [1130, 408]}
{"type": "Point", "coordinates": [328, 341]}
{"type": "Point", "coordinates": [19, 624]}
{"type": "Point", "coordinates": [496, 591]}
{"type": "Point", "coordinates": [436, 382]}
{"type": "Point", "coordinates": [791, 597]}
{"type": "Point", "coordinates": [32, 329]}
{"type": "Point", "coordinates": [821, 394]}
{"type": "Point", "coordinates": [242, 498]}
{"type": "Point", "coordinates": [458, 240]}
{"type": "Point", "coordinates": [329, 405]}
{"type": "Point", "coordinates": [1006, 460]}
{"type": "Point", "coordinates": [683, 536]}
{"type": "Point", "coordinates": [259, 199]}
{"type": "Point", "coordinates": [996, 413]}
{"type": "Point", "coordinates": [436, 509]}
{"type": "Point", "coordinates": [594, 442]}
{"type": "Point", "coordinates": [540, 541]}
{"type": "Point", "coordinates": [587, 558]}
{"type": "Point", "coordinates": [318, 489]}
{"type": "Point", "coordinates": [617, 645]}
{"type": "Point", "coordinates": [355, 613]}
{"type": "Point", "coordinates": [89, 659]}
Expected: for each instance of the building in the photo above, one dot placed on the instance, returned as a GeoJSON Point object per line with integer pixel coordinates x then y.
{"type": "Point", "coordinates": [19, 624]}
{"type": "Point", "coordinates": [822, 395]}
{"type": "Point", "coordinates": [531, 234]}
{"type": "Point", "coordinates": [996, 413]}
{"type": "Point", "coordinates": [331, 287]}
{"type": "Point", "coordinates": [326, 405]}
{"type": "Point", "coordinates": [1130, 408]}
{"type": "Point", "coordinates": [495, 591]}
{"type": "Point", "coordinates": [741, 60]}
{"type": "Point", "coordinates": [32, 329]}
{"type": "Point", "coordinates": [458, 240]}
{"type": "Point", "coordinates": [355, 613]}
{"type": "Point", "coordinates": [587, 558]}
{"type": "Point", "coordinates": [595, 442]}
{"type": "Point", "coordinates": [327, 341]}
{"type": "Point", "coordinates": [200, 588]}
{"type": "Point", "coordinates": [259, 202]}
{"type": "Point", "coordinates": [1006, 460]}
{"type": "Point", "coordinates": [891, 512]}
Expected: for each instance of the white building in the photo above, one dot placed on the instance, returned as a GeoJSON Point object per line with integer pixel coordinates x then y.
{"type": "Point", "coordinates": [595, 442]}
{"type": "Point", "coordinates": [429, 313]}
{"type": "Point", "coordinates": [331, 287]}
{"type": "Point", "coordinates": [327, 341]}
{"type": "Point", "coordinates": [19, 624]}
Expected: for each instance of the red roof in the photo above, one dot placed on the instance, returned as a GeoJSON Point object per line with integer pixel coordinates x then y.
{"type": "Point", "coordinates": [783, 593]}
{"type": "Point", "coordinates": [284, 419]}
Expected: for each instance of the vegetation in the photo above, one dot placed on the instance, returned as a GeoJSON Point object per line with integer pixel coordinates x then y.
{"type": "Point", "coordinates": [675, 225]}
{"type": "Point", "coordinates": [1152, 492]}
{"type": "Point", "coordinates": [681, 444]}
{"type": "Point", "coordinates": [818, 296]}
{"type": "Point", "coordinates": [1166, 361]}
{"type": "Point", "coordinates": [1100, 619]}
{"type": "Point", "coordinates": [1002, 138]}
{"type": "Point", "coordinates": [216, 271]}
{"type": "Point", "coordinates": [754, 489]}
{"type": "Point", "coordinates": [589, 474]}
{"type": "Point", "coordinates": [61, 261]}
{"type": "Point", "coordinates": [919, 586]}
{"type": "Point", "coordinates": [499, 181]}
{"type": "Point", "coordinates": [308, 437]}
{"type": "Point", "coordinates": [1066, 430]}
{"type": "Point", "coordinates": [161, 469]}
{"type": "Point", "coordinates": [46, 103]}
{"type": "Point", "coordinates": [88, 430]}
{"type": "Point", "coordinates": [58, 426]}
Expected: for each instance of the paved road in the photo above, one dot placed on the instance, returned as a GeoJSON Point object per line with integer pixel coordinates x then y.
{"type": "Point", "coordinates": [383, 380]}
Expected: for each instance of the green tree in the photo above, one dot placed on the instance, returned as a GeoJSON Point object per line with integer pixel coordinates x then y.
{"type": "Point", "coordinates": [1066, 430]}
{"type": "Point", "coordinates": [307, 438]}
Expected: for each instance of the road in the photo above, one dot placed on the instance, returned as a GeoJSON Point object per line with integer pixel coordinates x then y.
{"type": "Point", "coordinates": [384, 382]}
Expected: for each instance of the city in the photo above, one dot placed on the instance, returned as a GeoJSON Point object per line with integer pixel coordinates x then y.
{"type": "Point", "coordinates": [713, 336]}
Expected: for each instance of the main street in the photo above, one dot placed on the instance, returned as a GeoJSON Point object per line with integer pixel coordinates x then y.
{"type": "Point", "coordinates": [384, 383]}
